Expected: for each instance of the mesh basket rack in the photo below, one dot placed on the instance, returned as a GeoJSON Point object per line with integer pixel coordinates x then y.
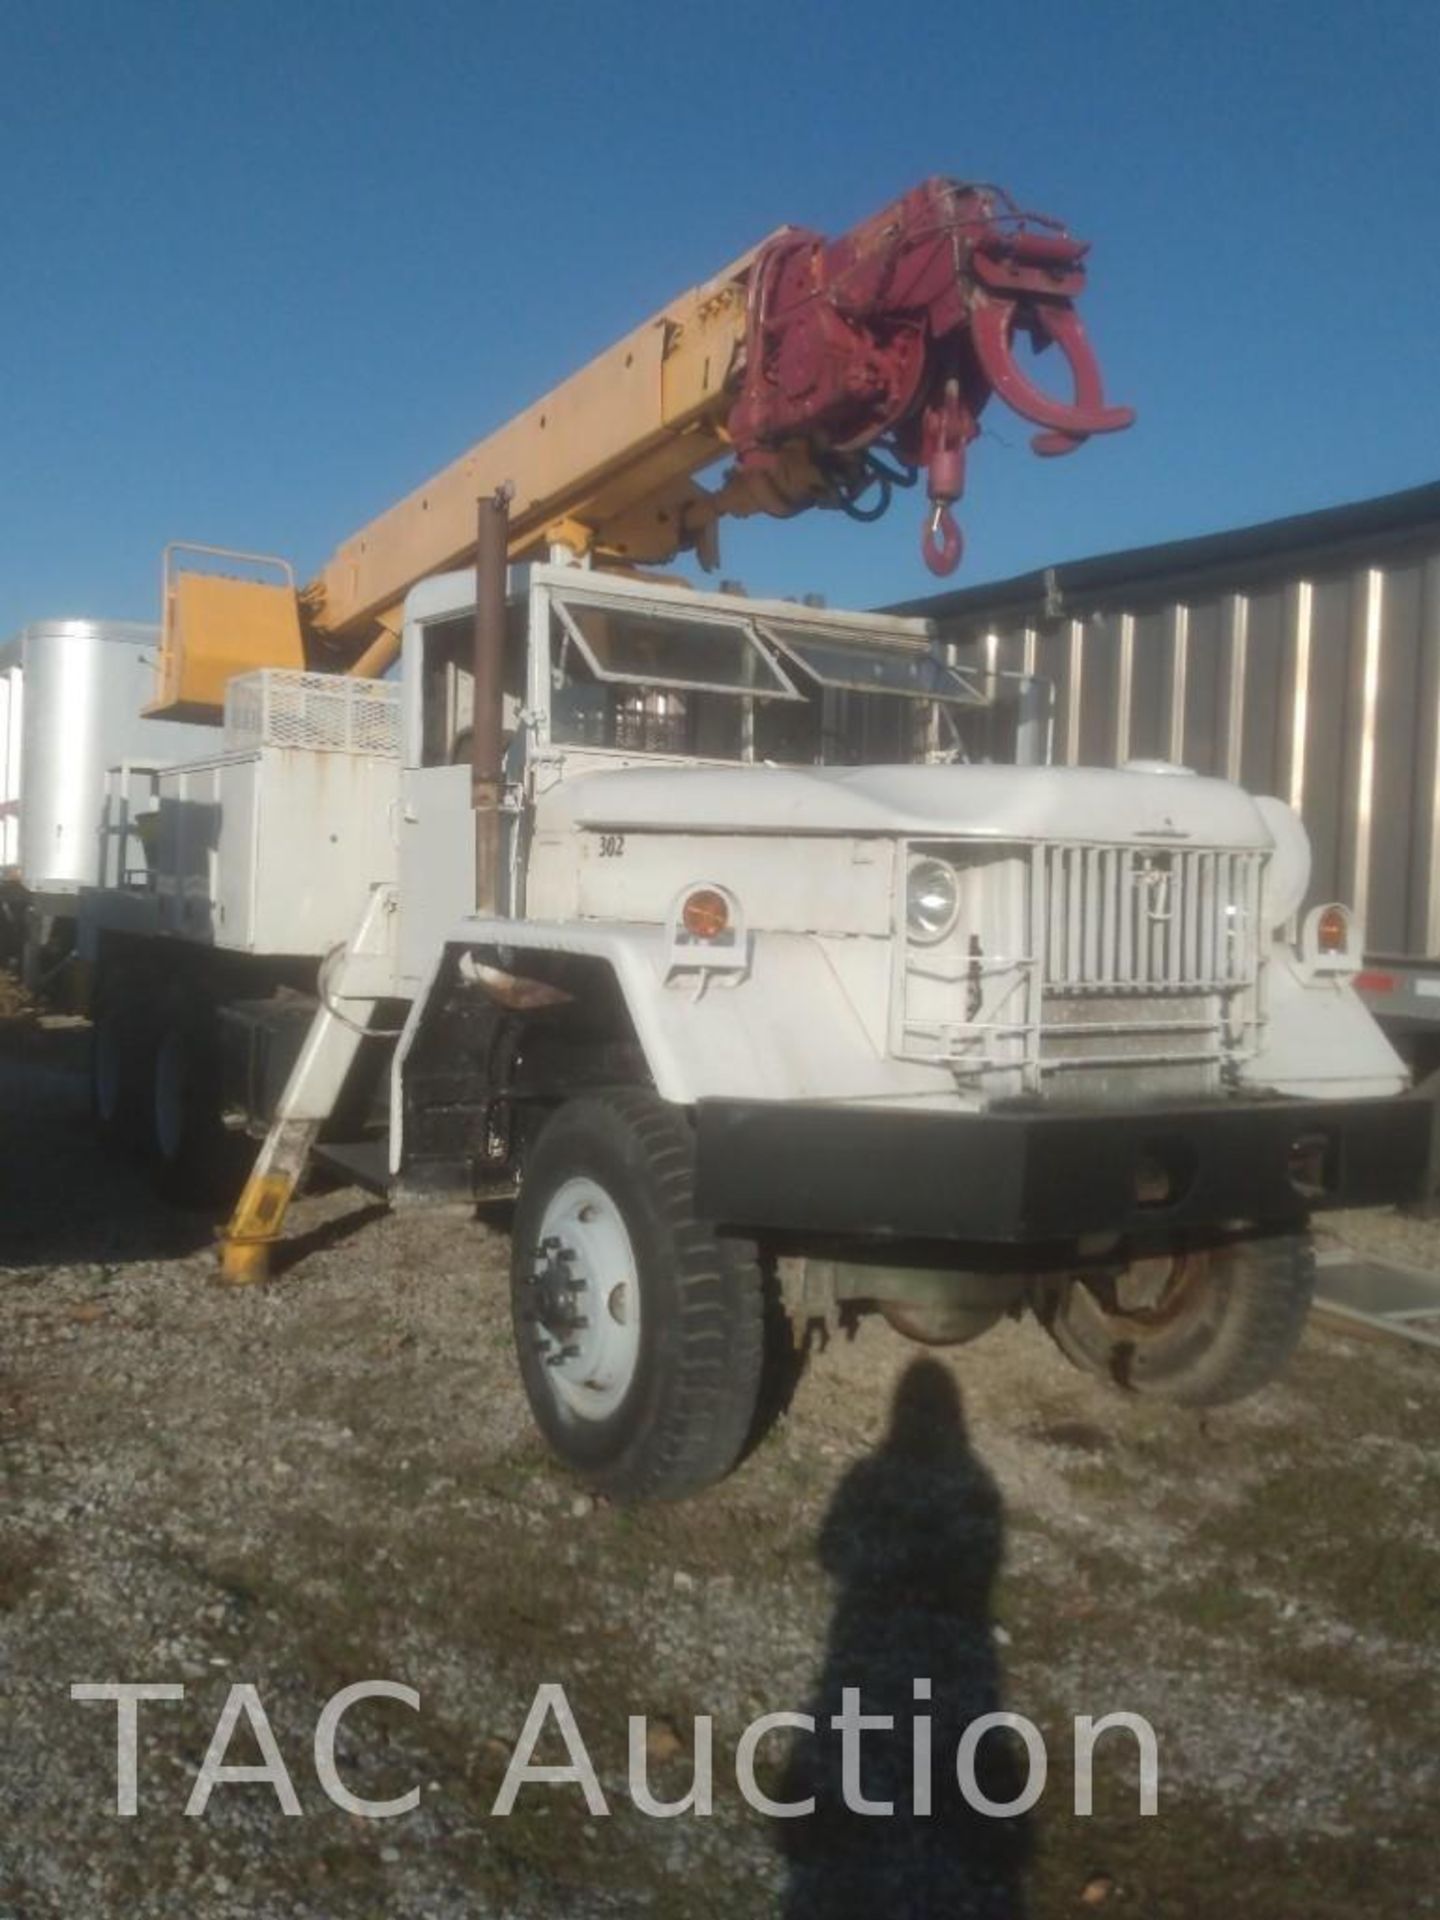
{"type": "Point", "coordinates": [328, 712]}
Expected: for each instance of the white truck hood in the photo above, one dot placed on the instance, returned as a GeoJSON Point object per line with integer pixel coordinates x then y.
{"type": "Point", "coordinates": [1081, 804]}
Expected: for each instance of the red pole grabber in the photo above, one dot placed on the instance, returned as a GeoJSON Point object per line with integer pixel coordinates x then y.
{"type": "Point", "coordinates": [1024, 281]}
{"type": "Point", "coordinates": [1031, 281]}
{"type": "Point", "coordinates": [891, 340]}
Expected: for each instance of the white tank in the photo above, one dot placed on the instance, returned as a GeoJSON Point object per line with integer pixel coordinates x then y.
{"type": "Point", "coordinates": [71, 694]}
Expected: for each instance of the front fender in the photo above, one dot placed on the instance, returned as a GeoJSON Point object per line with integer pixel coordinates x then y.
{"type": "Point", "coordinates": [785, 1029]}
{"type": "Point", "coordinates": [1319, 1040]}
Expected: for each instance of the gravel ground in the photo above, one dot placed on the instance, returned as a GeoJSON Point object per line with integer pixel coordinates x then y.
{"type": "Point", "coordinates": [333, 1478]}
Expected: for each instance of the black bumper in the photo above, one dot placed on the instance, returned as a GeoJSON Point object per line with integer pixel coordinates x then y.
{"type": "Point", "coordinates": [1034, 1176]}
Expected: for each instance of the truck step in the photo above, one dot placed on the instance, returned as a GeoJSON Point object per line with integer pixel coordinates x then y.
{"type": "Point", "coordinates": [362, 1163]}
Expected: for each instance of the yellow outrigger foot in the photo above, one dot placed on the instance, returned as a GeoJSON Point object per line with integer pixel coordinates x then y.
{"type": "Point", "coordinates": [244, 1262]}
{"type": "Point", "coordinates": [254, 1227]}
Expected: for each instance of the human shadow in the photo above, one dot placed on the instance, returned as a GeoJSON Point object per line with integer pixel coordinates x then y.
{"type": "Point", "coordinates": [913, 1538]}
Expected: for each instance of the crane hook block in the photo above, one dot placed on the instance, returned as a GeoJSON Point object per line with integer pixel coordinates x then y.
{"type": "Point", "coordinates": [893, 338]}
{"type": "Point", "coordinates": [942, 543]}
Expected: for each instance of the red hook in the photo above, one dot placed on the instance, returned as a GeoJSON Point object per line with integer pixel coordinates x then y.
{"type": "Point", "coordinates": [942, 542]}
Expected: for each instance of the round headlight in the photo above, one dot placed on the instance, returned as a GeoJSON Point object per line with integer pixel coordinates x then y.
{"type": "Point", "coordinates": [932, 899]}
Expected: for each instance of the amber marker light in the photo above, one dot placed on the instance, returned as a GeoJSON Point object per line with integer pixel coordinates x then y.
{"type": "Point", "coordinates": [1332, 930]}
{"type": "Point", "coordinates": [705, 914]}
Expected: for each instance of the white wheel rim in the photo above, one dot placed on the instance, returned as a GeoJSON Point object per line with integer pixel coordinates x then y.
{"type": "Point", "coordinates": [586, 1261]}
{"type": "Point", "coordinates": [170, 1095]}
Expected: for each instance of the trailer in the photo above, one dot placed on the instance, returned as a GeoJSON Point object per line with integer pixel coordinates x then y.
{"type": "Point", "coordinates": [1300, 657]}
{"type": "Point", "coordinates": [73, 738]}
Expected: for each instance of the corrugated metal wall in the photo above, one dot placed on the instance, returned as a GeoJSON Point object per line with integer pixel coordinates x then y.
{"type": "Point", "coordinates": [1320, 684]}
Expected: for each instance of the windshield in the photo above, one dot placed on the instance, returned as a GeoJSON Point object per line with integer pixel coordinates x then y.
{"type": "Point", "coordinates": [919, 673]}
{"type": "Point", "coordinates": [770, 682]}
{"type": "Point", "coordinates": [642, 649]}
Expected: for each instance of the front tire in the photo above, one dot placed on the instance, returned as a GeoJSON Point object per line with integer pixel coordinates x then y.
{"type": "Point", "coordinates": [1199, 1328]}
{"type": "Point", "coordinates": [639, 1330]}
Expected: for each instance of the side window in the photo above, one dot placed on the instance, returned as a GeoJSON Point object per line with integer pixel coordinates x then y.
{"type": "Point", "coordinates": [447, 686]}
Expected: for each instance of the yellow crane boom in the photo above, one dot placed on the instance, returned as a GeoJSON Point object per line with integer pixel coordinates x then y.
{"type": "Point", "coordinates": [805, 359]}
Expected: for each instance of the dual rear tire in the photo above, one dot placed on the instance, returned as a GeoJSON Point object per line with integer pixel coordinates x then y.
{"type": "Point", "coordinates": [121, 1050]}
{"type": "Point", "coordinates": [155, 1091]}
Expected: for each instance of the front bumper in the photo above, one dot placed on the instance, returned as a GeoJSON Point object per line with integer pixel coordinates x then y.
{"type": "Point", "coordinates": [1034, 1176]}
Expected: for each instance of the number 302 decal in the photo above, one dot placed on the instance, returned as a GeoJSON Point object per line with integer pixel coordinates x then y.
{"type": "Point", "coordinates": [612, 845]}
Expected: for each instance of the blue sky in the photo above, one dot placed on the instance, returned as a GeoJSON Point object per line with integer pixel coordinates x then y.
{"type": "Point", "coordinates": [266, 266]}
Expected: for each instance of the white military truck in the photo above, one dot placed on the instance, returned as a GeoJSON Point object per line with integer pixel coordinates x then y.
{"type": "Point", "coordinates": [700, 924]}
{"type": "Point", "coordinates": [784, 999]}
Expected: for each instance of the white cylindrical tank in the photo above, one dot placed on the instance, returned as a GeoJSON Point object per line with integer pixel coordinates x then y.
{"type": "Point", "coordinates": [11, 709]}
{"type": "Point", "coordinates": [75, 690]}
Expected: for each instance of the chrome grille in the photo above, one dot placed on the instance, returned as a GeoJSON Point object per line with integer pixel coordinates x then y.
{"type": "Point", "coordinates": [1159, 919]}
{"type": "Point", "coordinates": [1106, 972]}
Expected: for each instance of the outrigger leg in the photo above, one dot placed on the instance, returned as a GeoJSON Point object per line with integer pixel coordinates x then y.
{"type": "Point", "coordinates": [353, 980]}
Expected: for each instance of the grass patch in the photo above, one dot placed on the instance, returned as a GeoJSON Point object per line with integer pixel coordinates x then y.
{"type": "Point", "coordinates": [1334, 1535]}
